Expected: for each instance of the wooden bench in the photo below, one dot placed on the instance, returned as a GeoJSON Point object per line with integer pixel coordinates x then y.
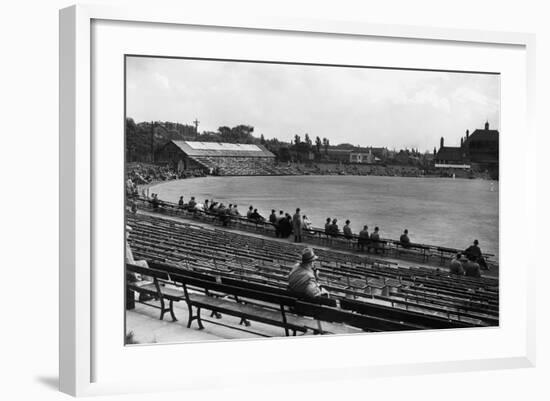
{"type": "Point", "coordinates": [413, 249]}
{"type": "Point", "coordinates": [377, 245]}
{"type": "Point", "coordinates": [324, 313]}
{"type": "Point", "coordinates": [337, 322]}
{"type": "Point", "coordinates": [312, 322]}
{"type": "Point", "coordinates": [408, 317]}
{"type": "Point", "coordinates": [205, 292]}
{"type": "Point", "coordinates": [274, 315]}
{"type": "Point", "coordinates": [251, 301]}
{"type": "Point", "coordinates": [155, 289]}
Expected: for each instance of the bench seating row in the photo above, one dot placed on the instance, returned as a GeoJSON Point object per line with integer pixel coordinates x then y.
{"type": "Point", "coordinates": [418, 251]}
{"type": "Point", "coordinates": [271, 305]}
{"type": "Point", "coordinates": [474, 295]}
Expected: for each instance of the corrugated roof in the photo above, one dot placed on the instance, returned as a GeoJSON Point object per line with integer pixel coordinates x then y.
{"type": "Point", "coordinates": [192, 148]}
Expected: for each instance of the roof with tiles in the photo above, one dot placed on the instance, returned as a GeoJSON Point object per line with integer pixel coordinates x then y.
{"type": "Point", "coordinates": [449, 153]}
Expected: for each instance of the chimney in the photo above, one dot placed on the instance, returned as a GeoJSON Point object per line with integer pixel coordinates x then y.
{"type": "Point", "coordinates": [461, 142]}
{"type": "Point", "coordinates": [442, 142]}
{"type": "Point", "coordinates": [487, 126]}
{"type": "Point", "coordinates": [467, 134]}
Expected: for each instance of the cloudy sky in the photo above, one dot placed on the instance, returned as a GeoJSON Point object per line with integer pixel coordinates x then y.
{"type": "Point", "coordinates": [362, 106]}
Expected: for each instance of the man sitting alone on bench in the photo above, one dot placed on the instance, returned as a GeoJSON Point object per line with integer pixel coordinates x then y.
{"type": "Point", "coordinates": [405, 240]}
{"type": "Point", "coordinates": [303, 280]}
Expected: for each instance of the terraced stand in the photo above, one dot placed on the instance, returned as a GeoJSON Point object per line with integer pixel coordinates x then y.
{"type": "Point", "coordinates": [417, 297]}
{"type": "Point", "coordinates": [243, 166]}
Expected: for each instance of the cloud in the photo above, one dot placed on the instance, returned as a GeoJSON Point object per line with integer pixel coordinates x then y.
{"type": "Point", "coordinates": [467, 95]}
{"type": "Point", "coordinates": [363, 106]}
{"type": "Point", "coordinates": [429, 96]}
{"type": "Point", "coordinates": [162, 80]}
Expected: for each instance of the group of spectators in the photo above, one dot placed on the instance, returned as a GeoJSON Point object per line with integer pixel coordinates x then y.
{"type": "Point", "coordinates": [285, 224]}
{"type": "Point", "coordinates": [470, 262]}
{"type": "Point", "coordinates": [365, 241]}
{"type": "Point", "coordinates": [370, 241]}
{"type": "Point", "coordinates": [144, 173]}
{"type": "Point", "coordinates": [223, 211]}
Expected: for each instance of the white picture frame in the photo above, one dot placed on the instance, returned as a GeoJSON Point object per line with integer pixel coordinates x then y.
{"type": "Point", "coordinates": [80, 212]}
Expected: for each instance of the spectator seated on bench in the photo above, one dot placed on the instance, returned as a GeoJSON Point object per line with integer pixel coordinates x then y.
{"type": "Point", "coordinates": [363, 239]}
{"type": "Point", "coordinates": [256, 217]}
{"type": "Point", "coordinates": [456, 266]}
{"type": "Point", "coordinates": [347, 231]}
{"type": "Point", "coordinates": [307, 225]}
{"type": "Point", "coordinates": [234, 211]}
{"type": "Point", "coordinates": [333, 229]}
{"type": "Point", "coordinates": [155, 201]}
{"type": "Point", "coordinates": [223, 214]}
{"type": "Point", "coordinates": [327, 226]}
{"type": "Point", "coordinates": [375, 242]}
{"type": "Point", "coordinates": [471, 268]}
{"type": "Point", "coordinates": [404, 240]}
{"type": "Point", "coordinates": [303, 279]}
{"type": "Point", "coordinates": [192, 205]}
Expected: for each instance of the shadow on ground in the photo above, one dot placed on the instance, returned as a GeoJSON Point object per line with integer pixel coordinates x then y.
{"type": "Point", "coordinates": [52, 382]}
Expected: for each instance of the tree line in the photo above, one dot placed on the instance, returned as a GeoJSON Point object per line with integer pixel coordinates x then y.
{"type": "Point", "coordinates": [145, 139]}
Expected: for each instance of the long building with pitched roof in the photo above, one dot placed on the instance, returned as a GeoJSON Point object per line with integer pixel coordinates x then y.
{"type": "Point", "coordinates": [219, 158]}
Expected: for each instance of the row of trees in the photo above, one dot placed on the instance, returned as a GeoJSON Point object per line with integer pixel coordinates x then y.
{"type": "Point", "coordinates": [143, 141]}
{"type": "Point", "coordinates": [306, 150]}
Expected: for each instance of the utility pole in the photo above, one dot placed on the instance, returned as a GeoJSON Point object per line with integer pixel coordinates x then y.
{"type": "Point", "coordinates": [152, 142]}
{"type": "Point", "coordinates": [196, 122]}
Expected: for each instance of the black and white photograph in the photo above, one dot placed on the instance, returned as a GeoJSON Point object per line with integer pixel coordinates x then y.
{"type": "Point", "coordinates": [270, 199]}
{"type": "Point", "coordinates": [233, 200]}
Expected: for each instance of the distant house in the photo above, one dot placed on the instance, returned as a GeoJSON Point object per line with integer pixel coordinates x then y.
{"type": "Point", "coordinates": [358, 154]}
{"type": "Point", "coordinates": [482, 146]}
{"type": "Point", "coordinates": [340, 155]}
{"type": "Point", "coordinates": [361, 157]}
{"type": "Point", "coordinates": [451, 157]}
{"type": "Point", "coordinates": [477, 151]}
